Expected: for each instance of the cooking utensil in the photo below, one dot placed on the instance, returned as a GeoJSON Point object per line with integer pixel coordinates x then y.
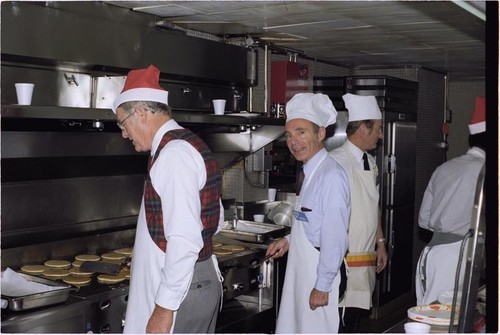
{"type": "Point", "coordinates": [101, 267]}
{"type": "Point", "coordinates": [254, 264]}
{"type": "Point", "coordinates": [281, 214]}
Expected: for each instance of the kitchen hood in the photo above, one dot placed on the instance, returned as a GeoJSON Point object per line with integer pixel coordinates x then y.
{"type": "Point", "coordinates": [236, 132]}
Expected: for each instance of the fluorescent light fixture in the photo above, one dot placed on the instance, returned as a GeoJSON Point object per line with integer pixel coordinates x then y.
{"type": "Point", "coordinates": [474, 7]}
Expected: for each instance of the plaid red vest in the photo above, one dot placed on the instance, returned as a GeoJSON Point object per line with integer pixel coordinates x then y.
{"type": "Point", "coordinates": [209, 195]}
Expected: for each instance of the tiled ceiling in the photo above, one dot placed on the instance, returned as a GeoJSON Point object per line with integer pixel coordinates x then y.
{"type": "Point", "coordinates": [439, 35]}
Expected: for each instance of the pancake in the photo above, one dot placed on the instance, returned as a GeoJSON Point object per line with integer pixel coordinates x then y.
{"type": "Point", "coordinates": [77, 263]}
{"type": "Point", "coordinates": [112, 256]}
{"type": "Point", "coordinates": [56, 273]}
{"type": "Point", "coordinates": [58, 264]}
{"type": "Point", "coordinates": [124, 251]}
{"type": "Point", "coordinates": [77, 280]}
{"type": "Point", "coordinates": [232, 247]}
{"type": "Point", "coordinates": [110, 279]}
{"type": "Point", "coordinates": [222, 252]}
{"type": "Point", "coordinates": [88, 258]}
{"type": "Point", "coordinates": [76, 272]}
{"type": "Point", "coordinates": [125, 272]}
{"type": "Point", "coordinates": [34, 269]}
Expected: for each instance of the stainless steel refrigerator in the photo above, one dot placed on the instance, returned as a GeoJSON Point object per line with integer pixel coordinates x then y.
{"type": "Point", "coordinates": [396, 156]}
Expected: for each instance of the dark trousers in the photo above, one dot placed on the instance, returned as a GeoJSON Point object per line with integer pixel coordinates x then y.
{"type": "Point", "coordinates": [350, 322]}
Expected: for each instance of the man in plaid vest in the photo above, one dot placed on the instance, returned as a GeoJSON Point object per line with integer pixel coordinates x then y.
{"type": "Point", "coordinates": [175, 283]}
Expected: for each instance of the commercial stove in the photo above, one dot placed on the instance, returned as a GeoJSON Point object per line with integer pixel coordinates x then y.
{"type": "Point", "coordinates": [100, 308]}
{"type": "Point", "coordinates": [94, 308]}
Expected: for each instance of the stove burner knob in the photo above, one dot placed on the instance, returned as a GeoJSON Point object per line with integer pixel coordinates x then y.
{"type": "Point", "coordinates": [238, 286]}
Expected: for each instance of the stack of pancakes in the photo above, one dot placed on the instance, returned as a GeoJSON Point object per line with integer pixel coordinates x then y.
{"type": "Point", "coordinates": [70, 272]}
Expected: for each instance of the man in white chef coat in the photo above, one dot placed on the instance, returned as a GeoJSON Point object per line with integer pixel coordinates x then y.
{"type": "Point", "coordinates": [446, 210]}
{"type": "Point", "coordinates": [367, 254]}
{"type": "Point", "coordinates": [175, 284]}
{"type": "Point", "coordinates": [318, 240]}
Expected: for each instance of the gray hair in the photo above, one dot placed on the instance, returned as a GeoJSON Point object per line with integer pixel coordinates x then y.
{"type": "Point", "coordinates": [151, 106]}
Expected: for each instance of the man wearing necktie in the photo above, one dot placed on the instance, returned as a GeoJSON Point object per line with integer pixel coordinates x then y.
{"type": "Point", "coordinates": [318, 240]}
{"type": "Point", "coordinates": [367, 254]}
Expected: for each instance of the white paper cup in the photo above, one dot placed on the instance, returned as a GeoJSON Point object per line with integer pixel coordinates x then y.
{"type": "Point", "coordinates": [258, 217]}
{"type": "Point", "coordinates": [417, 328]}
{"type": "Point", "coordinates": [24, 93]}
{"type": "Point", "coordinates": [271, 194]}
{"type": "Point", "coordinates": [219, 106]}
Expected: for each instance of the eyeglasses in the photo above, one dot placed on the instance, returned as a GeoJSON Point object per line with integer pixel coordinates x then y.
{"type": "Point", "coordinates": [121, 123]}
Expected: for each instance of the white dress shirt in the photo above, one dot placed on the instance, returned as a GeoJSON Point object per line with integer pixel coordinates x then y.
{"type": "Point", "coordinates": [328, 198]}
{"type": "Point", "coordinates": [340, 156]}
{"type": "Point", "coordinates": [177, 175]}
{"type": "Point", "coordinates": [448, 200]}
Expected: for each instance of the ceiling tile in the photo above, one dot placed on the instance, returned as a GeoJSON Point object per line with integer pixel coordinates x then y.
{"type": "Point", "coordinates": [436, 34]}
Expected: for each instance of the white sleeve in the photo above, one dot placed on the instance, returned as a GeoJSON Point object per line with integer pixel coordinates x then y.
{"type": "Point", "coordinates": [177, 176]}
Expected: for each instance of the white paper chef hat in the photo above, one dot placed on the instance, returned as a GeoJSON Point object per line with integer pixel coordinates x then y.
{"type": "Point", "coordinates": [142, 85]}
{"type": "Point", "coordinates": [478, 122]}
{"type": "Point", "coordinates": [361, 107]}
{"type": "Point", "coordinates": [315, 107]}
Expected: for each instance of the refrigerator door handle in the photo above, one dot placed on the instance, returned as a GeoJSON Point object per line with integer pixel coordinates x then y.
{"type": "Point", "coordinates": [390, 247]}
{"type": "Point", "coordinates": [392, 173]}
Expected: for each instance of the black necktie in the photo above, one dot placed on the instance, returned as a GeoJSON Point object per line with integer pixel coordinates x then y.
{"type": "Point", "coordinates": [365, 162]}
{"type": "Point", "coordinates": [300, 180]}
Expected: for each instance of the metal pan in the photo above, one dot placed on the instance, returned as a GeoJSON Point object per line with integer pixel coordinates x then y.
{"type": "Point", "coordinates": [22, 303]}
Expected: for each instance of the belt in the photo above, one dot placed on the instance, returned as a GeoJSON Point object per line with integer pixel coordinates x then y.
{"type": "Point", "coordinates": [361, 259]}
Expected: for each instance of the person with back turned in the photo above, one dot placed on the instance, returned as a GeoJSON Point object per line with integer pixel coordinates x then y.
{"type": "Point", "coordinates": [175, 283]}
{"type": "Point", "coordinates": [318, 240]}
{"type": "Point", "coordinates": [367, 254]}
{"type": "Point", "coordinates": [446, 210]}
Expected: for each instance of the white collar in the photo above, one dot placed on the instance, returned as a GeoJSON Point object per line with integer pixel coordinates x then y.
{"type": "Point", "coordinates": [478, 152]}
{"type": "Point", "coordinates": [167, 126]}
{"type": "Point", "coordinates": [355, 151]}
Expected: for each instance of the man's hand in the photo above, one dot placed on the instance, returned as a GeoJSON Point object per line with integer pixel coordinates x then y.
{"type": "Point", "coordinates": [318, 299]}
{"type": "Point", "coordinates": [381, 257]}
{"type": "Point", "coordinates": [160, 321]}
{"type": "Point", "coordinates": [277, 248]}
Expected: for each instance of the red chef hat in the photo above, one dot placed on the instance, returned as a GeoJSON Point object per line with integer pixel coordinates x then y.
{"type": "Point", "coordinates": [478, 123]}
{"type": "Point", "coordinates": [142, 85]}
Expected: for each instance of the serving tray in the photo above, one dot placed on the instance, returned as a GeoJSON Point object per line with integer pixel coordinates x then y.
{"type": "Point", "coordinates": [255, 232]}
{"type": "Point", "coordinates": [25, 302]}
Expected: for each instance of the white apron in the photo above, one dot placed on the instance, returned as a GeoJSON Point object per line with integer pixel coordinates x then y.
{"type": "Point", "coordinates": [361, 258]}
{"type": "Point", "coordinates": [147, 262]}
{"type": "Point", "coordinates": [436, 271]}
{"type": "Point", "coordinates": [295, 315]}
